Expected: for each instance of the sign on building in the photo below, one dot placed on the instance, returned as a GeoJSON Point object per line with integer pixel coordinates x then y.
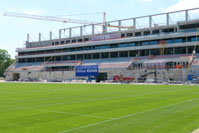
{"type": "Point", "coordinates": [106, 37]}
{"type": "Point", "coordinates": [87, 71]}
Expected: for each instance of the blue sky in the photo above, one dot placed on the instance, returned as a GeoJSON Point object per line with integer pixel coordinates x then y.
{"type": "Point", "coordinates": [13, 30]}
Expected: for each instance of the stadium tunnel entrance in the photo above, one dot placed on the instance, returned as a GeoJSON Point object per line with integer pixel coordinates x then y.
{"type": "Point", "coordinates": [101, 77]}
{"type": "Point", "coordinates": [16, 76]}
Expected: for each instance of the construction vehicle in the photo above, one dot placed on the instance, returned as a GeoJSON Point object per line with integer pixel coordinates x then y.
{"type": "Point", "coordinates": [143, 78]}
{"type": "Point", "coordinates": [118, 78]}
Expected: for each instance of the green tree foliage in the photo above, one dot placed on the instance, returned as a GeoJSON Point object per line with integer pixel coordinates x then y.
{"type": "Point", "coordinates": [5, 61]}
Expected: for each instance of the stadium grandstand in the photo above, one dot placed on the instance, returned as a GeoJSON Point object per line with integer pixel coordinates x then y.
{"type": "Point", "coordinates": [156, 52]}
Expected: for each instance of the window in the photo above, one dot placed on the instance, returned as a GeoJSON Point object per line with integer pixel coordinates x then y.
{"type": "Point", "coordinates": [87, 48]}
{"type": "Point", "coordinates": [132, 44]}
{"type": "Point", "coordinates": [71, 57]}
{"type": "Point", "coordinates": [96, 56]}
{"type": "Point", "coordinates": [123, 54]}
{"type": "Point", "coordinates": [58, 58]}
{"type": "Point", "coordinates": [105, 46]}
{"type": "Point", "coordinates": [114, 45]}
{"type": "Point", "coordinates": [67, 41]}
{"type": "Point", "coordinates": [193, 39]}
{"type": "Point", "coordinates": [137, 33]}
{"type": "Point", "coordinates": [72, 49]}
{"type": "Point", "coordinates": [129, 34]}
{"type": "Point", "coordinates": [156, 32]}
{"type": "Point", "coordinates": [73, 41]}
{"type": "Point", "coordinates": [62, 42]}
{"type": "Point", "coordinates": [114, 55]}
{"type": "Point", "coordinates": [169, 41]}
{"type": "Point", "coordinates": [155, 52]}
{"type": "Point", "coordinates": [153, 42]}
{"type": "Point", "coordinates": [133, 53]}
{"type": "Point", "coordinates": [40, 59]}
{"type": "Point", "coordinates": [104, 55]}
{"type": "Point", "coordinates": [142, 53]}
{"type": "Point", "coordinates": [123, 35]}
{"type": "Point", "coordinates": [65, 58]}
{"type": "Point", "coordinates": [80, 57]}
{"type": "Point", "coordinates": [168, 30]}
{"type": "Point", "coordinates": [146, 33]}
{"type": "Point", "coordinates": [122, 45]}
{"type": "Point", "coordinates": [87, 56]}
{"type": "Point", "coordinates": [96, 47]}
{"type": "Point", "coordinates": [79, 40]}
{"type": "Point", "coordinates": [180, 50]}
{"type": "Point", "coordinates": [22, 60]}
{"type": "Point", "coordinates": [169, 51]}
{"type": "Point", "coordinates": [86, 39]}
{"type": "Point", "coordinates": [56, 43]}
{"type": "Point", "coordinates": [178, 40]}
{"type": "Point", "coordinates": [79, 49]}
{"type": "Point", "coordinates": [144, 43]}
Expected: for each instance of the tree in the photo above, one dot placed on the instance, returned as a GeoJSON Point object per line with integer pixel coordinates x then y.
{"type": "Point", "coordinates": [5, 61]}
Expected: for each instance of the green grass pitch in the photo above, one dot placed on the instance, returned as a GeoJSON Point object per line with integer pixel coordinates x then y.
{"type": "Point", "coordinates": [92, 108]}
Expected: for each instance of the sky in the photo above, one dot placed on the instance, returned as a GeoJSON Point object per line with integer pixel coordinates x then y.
{"type": "Point", "coordinates": [13, 30]}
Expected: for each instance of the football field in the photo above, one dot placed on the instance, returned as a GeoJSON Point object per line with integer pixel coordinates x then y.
{"type": "Point", "coordinates": [98, 108]}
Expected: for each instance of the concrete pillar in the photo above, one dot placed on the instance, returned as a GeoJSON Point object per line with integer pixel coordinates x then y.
{"type": "Point", "coordinates": [150, 21]}
{"type": "Point", "coordinates": [93, 29]}
{"type": "Point", "coordinates": [186, 50]}
{"type": "Point", "coordinates": [119, 25]}
{"type": "Point", "coordinates": [173, 50]}
{"type": "Point", "coordinates": [167, 19]}
{"type": "Point", "coordinates": [59, 34]}
{"type": "Point", "coordinates": [105, 28]}
{"type": "Point", "coordinates": [51, 35]}
{"type": "Point", "coordinates": [39, 37]}
{"type": "Point", "coordinates": [134, 23]}
{"type": "Point", "coordinates": [81, 30]}
{"type": "Point", "coordinates": [186, 15]}
{"type": "Point", "coordinates": [70, 32]}
{"type": "Point", "coordinates": [28, 37]}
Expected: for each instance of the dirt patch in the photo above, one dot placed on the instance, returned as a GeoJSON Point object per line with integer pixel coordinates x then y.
{"type": "Point", "coordinates": [196, 131]}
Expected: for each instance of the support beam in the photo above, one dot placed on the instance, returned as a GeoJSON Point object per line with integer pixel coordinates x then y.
{"type": "Point", "coordinates": [59, 34]}
{"type": "Point", "coordinates": [186, 15]}
{"type": "Point", "coordinates": [39, 37]}
{"type": "Point", "coordinates": [51, 35]}
{"type": "Point", "coordinates": [119, 25]}
{"type": "Point", "coordinates": [93, 29]}
{"type": "Point", "coordinates": [134, 23]}
{"type": "Point", "coordinates": [167, 19]}
{"type": "Point", "coordinates": [81, 30]}
{"type": "Point", "coordinates": [70, 32]}
{"type": "Point", "coordinates": [150, 21]}
{"type": "Point", "coordinates": [28, 37]}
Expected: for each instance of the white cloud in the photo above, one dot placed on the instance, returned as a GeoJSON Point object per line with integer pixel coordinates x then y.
{"type": "Point", "coordinates": [146, 0]}
{"type": "Point", "coordinates": [183, 4]}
